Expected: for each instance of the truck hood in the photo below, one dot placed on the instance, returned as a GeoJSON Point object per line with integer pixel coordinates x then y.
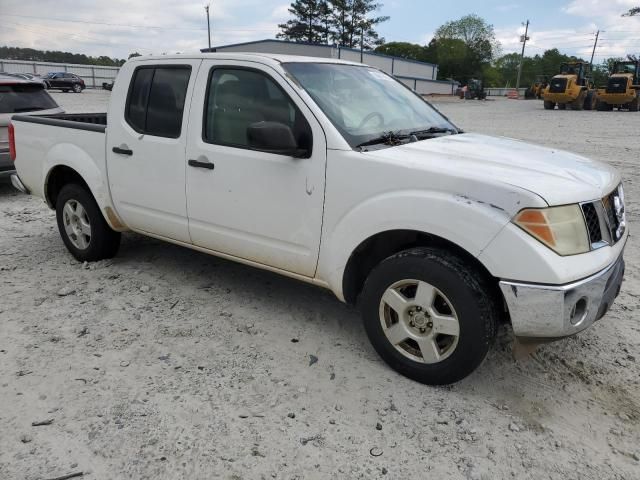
{"type": "Point", "coordinates": [559, 177]}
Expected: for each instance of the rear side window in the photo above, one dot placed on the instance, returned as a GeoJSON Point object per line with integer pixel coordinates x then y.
{"type": "Point", "coordinates": [156, 100]}
{"type": "Point", "coordinates": [24, 98]}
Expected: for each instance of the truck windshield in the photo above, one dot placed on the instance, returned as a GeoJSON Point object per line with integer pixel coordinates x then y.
{"type": "Point", "coordinates": [27, 97]}
{"type": "Point", "coordinates": [365, 104]}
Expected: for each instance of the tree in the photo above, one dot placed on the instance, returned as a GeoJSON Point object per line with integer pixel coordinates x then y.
{"type": "Point", "coordinates": [632, 12]}
{"type": "Point", "coordinates": [348, 23]}
{"type": "Point", "coordinates": [306, 24]}
{"type": "Point", "coordinates": [134, 54]}
{"type": "Point", "coordinates": [469, 42]}
{"type": "Point", "coordinates": [408, 50]}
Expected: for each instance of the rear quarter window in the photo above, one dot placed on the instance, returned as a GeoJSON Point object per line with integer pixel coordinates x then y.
{"type": "Point", "coordinates": [24, 98]}
{"type": "Point", "coordinates": [156, 99]}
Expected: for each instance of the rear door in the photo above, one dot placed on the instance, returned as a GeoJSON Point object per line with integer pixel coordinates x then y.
{"type": "Point", "coordinates": [146, 148]}
{"type": "Point", "coordinates": [263, 207]}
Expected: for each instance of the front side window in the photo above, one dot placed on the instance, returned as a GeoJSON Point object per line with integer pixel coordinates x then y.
{"type": "Point", "coordinates": [363, 103]}
{"type": "Point", "coordinates": [238, 98]}
{"type": "Point", "coordinates": [155, 104]}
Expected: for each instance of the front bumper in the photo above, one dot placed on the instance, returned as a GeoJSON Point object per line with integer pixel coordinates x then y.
{"type": "Point", "coordinates": [555, 311]}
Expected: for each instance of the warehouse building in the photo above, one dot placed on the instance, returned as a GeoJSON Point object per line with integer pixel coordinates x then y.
{"type": "Point", "coordinates": [419, 76]}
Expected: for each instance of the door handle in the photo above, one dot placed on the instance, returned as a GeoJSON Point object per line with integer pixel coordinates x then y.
{"type": "Point", "coordinates": [201, 164]}
{"type": "Point", "coordinates": [122, 151]}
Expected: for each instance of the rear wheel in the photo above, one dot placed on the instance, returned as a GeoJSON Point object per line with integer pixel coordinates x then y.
{"type": "Point", "coordinates": [549, 105]}
{"type": "Point", "coordinates": [578, 103]}
{"type": "Point", "coordinates": [590, 100]}
{"type": "Point", "coordinates": [82, 227]}
{"type": "Point", "coordinates": [428, 315]}
{"type": "Point", "coordinates": [634, 105]}
{"type": "Point", "coordinates": [562, 106]}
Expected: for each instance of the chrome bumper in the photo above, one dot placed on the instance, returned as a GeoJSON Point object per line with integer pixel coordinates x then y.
{"type": "Point", "coordinates": [554, 311]}
{"type": "Point", "coordinates": [17, 183]}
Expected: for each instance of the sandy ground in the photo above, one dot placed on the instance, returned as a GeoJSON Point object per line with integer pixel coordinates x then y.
{"type": "Point", "coordinates": [165, 363]}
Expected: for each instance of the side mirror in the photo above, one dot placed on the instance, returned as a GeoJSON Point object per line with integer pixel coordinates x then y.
{"type": "Point", "coordinates": [274, 137]}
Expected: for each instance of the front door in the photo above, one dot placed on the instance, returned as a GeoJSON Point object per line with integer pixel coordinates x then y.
{"type": "Point", "coordinates": [146, 148]}
{"type": "Point", "coordinates": [262, 207]}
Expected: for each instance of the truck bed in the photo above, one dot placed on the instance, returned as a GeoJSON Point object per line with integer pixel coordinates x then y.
{"type": "Point", "coordinates": [94, 122]}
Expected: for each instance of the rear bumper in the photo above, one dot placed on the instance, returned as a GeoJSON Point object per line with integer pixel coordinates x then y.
{"type": "Point", "coordinates": [555, 311]}
{"type": "Point", "coordinates": [559, 97]}
{"type": "Point", "coordinates": [615, 98]}
{"type": "Point", "coordinates": [6, 165]}
{"type": "Point", "coordinates": [17, 183]}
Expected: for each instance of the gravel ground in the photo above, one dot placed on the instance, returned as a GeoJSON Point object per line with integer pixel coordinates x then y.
{"type": "Point", "coordinates": [165, 363]}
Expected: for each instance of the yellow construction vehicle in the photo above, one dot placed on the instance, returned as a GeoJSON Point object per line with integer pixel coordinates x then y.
{"type": "Point", "coordinates": [537, 88]}
{"type": "Point", "coordinates": [572, 87]}
{"type": "Point", "coordinates": [623, 88]}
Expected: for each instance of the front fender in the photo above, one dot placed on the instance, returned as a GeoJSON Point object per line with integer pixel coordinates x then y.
{"type": "Point", "coordinates": [467, 222]}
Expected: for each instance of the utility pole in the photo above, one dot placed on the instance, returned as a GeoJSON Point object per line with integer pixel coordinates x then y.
{"type": "Point", "coordinates": [362, 43]}
{"type": "Point", "coordinates": [208, 25]}
{"type": "Point", "coordinates": [523, 39]}
{"type": "Point", "coordinates": [593, 53]}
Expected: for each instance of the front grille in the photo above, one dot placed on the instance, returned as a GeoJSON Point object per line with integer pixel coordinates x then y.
{"type": "Point", "coordinates": [615, 212]}
{"type": "Point", "coordinates": [617, 85]}
{"type": "Point", "coordinates": [605, 219]}
{"type": "Point", "coordinates": [558, 85]}
{"type": "Point", "coordinates": [593, 222]}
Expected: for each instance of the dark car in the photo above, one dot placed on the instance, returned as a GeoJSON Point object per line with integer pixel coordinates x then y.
{"type": "Point", "coordinates": [25, 97]}
{"type": "Point", "coordinates": [64, 81]}
{"type": "Point", "coordinates": [108, 85]}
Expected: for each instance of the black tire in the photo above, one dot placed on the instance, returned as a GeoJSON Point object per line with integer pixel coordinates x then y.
{"type": "Point", "coordinates": [470, 296]}
{"type": "Point", "coordinates": [634, 105]}
{"type": "Point", "coordinates": [549, 105]}
{"type": "Point", "coordinates": [578, 103]}
{"type": "Point", "coordinates": [562, 106]}
{"type": "Point", "coordinates": [103, 241]}
{"type": "Point", "coordinates": [590, 100]}
{"type": "Point", "coordinates": [77, 88]}
{"type": "Point", "coordinates": [602, 106]}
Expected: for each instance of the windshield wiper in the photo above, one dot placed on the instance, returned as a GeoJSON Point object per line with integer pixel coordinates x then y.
{"type": "Point", "coordinates": [27, 109]}
{"type": "Point", "coordinates": [387, 138]}
{"type": "Point", "coordinates": [434, 130]}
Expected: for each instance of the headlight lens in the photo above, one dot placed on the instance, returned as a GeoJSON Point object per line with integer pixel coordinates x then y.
{"type": "Point", "coordinates": [562, 229]}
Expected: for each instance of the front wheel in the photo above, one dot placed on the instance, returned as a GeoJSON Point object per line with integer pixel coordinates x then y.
{"type": "Point", "coordinates": [428, 315]}
{"type": "Point", "coordinates": [82, 227]}
{"type": "Point", "coordinates": [77, 88]}
{"type": "Point", "coordinates": [549, 105]}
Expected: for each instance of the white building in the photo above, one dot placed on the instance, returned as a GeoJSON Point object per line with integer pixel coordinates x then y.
{"type": "Point", "coordinates": [419, 76]}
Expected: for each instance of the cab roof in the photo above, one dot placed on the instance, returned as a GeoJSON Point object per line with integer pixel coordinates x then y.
{"type": "Point", "coordinates": [266, 58]}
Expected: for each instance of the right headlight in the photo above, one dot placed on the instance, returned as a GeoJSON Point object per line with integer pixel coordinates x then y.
{"type": "Point", "coordinates": [562, 229]}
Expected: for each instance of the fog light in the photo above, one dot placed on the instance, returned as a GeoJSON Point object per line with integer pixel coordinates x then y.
{"type": "Point", "coordinates": [579, 311]}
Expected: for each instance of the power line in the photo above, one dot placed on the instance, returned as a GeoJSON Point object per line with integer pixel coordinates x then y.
{"type": "Point", "coordinates": [87, 22]}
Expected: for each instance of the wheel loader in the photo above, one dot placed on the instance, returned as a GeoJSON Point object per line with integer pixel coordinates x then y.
{"type": "Point", "coordinates": [537, 88]}
{"type": "Point", "coordinates": [623, 88]}
{"type": "Point", "coordinates": [474, 91]}
{"type": "Point", "coordinates": [571, 88]}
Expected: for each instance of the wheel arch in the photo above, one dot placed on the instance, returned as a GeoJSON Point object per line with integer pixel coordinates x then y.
{"type": "Point", "coordinates": [379, 246]}
{"type": "Point", "coordinates": [62, 174]}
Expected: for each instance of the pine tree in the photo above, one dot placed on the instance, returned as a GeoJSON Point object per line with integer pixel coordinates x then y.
{"type": "Point", "coordinates": [348, 23]}
{"type": "Point", "coordinates": [354, 25]}
{"type": "Point", "coordinates": [307, 22]}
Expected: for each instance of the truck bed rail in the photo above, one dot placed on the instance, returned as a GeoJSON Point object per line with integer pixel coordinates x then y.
{"type": "Point", "coordinates": [93, 122]}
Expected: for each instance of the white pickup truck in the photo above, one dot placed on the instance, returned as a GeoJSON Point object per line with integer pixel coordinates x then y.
{"type": "Point", "coordinates": [336, 174]}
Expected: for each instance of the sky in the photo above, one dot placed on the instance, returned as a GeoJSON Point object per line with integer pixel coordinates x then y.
{"type": "Point", "coordinates": [116, 28]}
